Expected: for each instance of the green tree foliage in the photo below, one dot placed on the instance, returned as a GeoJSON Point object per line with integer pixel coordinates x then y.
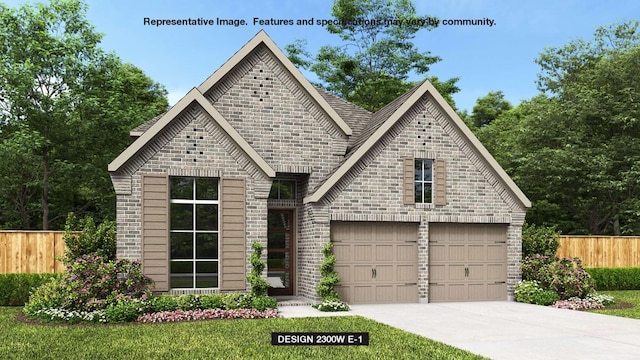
{"type": "Point", "coordinates": [541, 240]}
{"type": "Point", "coordinates": [259, 286]}
{"type": "Point", "coordinates": [83, 237]}
{"type": "Point", "coordinates": [372, 66]}
{"type": "Point", "coordinates": [574, 149]}
{"type": "Point", "coordinates": [65, 111]}
{"type": "Point", "coordinates": [488, 108]}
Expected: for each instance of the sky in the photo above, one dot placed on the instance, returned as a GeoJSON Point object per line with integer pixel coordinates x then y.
{"type": "Point", "coordinates": [485, 58]}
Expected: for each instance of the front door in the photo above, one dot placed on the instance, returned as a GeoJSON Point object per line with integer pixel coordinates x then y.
{"type": "Point", "coordinates": [280, 240]}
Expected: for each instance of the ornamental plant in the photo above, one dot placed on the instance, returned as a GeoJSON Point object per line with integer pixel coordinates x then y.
{"type": "Point", "coordinates": [541, 240]}
{"type": "Point", "coordinates": [84, 237]}
{"type": "Point", "coordinates": [330, 278]}
{"type": "Point", "coordinates": [564, 276]}
{"type": "Point", "coordinates": [259, 285]}
{"type": "Point", "coordinates": [530, 292]}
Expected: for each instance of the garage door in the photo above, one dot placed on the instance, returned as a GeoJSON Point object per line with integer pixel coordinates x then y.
{"type": "Point", "coordinates": [467, 262]}
{"type": "Point", "coordinates": [377, 261]}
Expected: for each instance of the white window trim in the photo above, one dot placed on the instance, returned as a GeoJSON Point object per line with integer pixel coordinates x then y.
{"type": "Point", "coordinates": [194, 232]}
{"type": "Point", "coordinates": [423, 182]}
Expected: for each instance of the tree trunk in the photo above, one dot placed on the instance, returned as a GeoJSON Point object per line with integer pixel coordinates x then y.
{"type": "Point", "coordinates": [616, 226]}
{"type": "Point", "coordinates": [45, 193]}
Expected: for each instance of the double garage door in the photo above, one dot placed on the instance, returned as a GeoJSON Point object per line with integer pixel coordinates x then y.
{"type": "Point", "coordinates": [378, 262]}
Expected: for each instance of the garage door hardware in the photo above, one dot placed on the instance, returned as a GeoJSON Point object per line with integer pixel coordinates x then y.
{"type": "Point", "coordinates": [466, 272]}
{"type": "Point", "coordinates": [374, 274]}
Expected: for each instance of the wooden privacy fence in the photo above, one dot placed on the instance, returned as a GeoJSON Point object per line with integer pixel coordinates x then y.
{"type": "Point", "coordinates": [31, 251]}
{"type": "Point", "coordinates": [601, 251]}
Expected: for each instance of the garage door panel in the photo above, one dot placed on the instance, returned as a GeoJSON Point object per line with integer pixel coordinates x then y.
{"type": "Point", "coordinates": [363, 253]}
{"type": "Point", "coordinates": [384, 273]}
{"type": "Point", "coordinates": [476, 272]}
{"type": "Point", "coordinates": [342, 252]}
{"type": "Point", "coordinates": [456, 273]}
{"type": "Point", "coordinates": [362, 273]}
{"type": "Point", "coordinates": [381, 264]}
{"type": "Point", "coordinates": [406, 273]}
{"type": "Point", "coordinates": [476, 252]}
{"type": "Point", "coordinates": [438, 273]}
{"type": "Point", "coordinates": [406, 252]}
{"type": "Point", "coordinates": [497, 291]}
{"type": "Point", "coordinates": [477, 291]}
{"type": "Point", "coordinates": [467, 262]}
{"type": "Point", "coordinates": [344, 272]}
{"type": "Point", "coordinates": [456, 253]}
{"type": "Point", "coordinates": [496, 252]}
{"type": "Point", "coordinates": [496, 272]}
{"type": "Point", "coordinates": [384, 253]}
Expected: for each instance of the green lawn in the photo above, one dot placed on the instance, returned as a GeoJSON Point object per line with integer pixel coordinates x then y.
{"type": "Point", "coordinates": [628, 296]}
{"type": "Point", "coordinates": [215, 339]}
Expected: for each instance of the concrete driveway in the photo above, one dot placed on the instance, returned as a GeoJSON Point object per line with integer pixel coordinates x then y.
{"type": "Point", "coordinates": [507, 330]}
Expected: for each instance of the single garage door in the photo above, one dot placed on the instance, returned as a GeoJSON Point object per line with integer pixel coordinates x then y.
{"type": "Point", "coordinates": [467, 262]}
{"type": "Point", "coordinates": [377, 261]}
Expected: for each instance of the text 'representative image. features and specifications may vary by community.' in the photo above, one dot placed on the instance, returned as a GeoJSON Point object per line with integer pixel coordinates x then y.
{"type": "Point", "coordinates": [256, 21]}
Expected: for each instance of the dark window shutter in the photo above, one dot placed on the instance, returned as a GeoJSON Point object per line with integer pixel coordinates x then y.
{"type": "Point", "coordinates": [408, 186]}
{"type": "Point", "coordinates": [440, 183]}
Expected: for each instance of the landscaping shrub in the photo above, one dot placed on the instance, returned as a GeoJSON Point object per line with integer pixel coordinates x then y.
{"type": "Point", "coordinates": [564, 276]}
{"type": "Point", "coordinates": [126, 311]}
{"type": "Point", "coordinates": [164, 303]}
{"type": "Point", "coordinates": [83, 237]}
{"type": "Point", "coordinates": [89, 286]}
{"type": "Point", "coordinates": [330, 277]}
{"type": "Point", "coordinates": [259, 285]}
{"type": "Point", "coordinates": [188, 302]}
{"type": "Point", "coordinates": [542, 240]}
{"type": "Point", "coordinates": [235, 301]}
{"type": "Point", "coordinates": [615, 278]}
{"type": "Point", "coordinates": [213, 301]}
{"type": "Point", "coordinates": [531, 293]}
{"type": "Point", "coordinates": [263, 303]}
{"type": "Point", "coordinates": [48, 296]}
{"type": "Point", "coordinates": [16, 288]}
{"type": "Point", "coordinates": [92, 283]}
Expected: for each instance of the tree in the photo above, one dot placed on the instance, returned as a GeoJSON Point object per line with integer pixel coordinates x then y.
{"type": "Point", "coordinates": [488, 108]}
{"type": "Point", "coordinates": [373, 65]}
{"type": "Point", "coordinates": [58, 87]}
{"type": "Point", "coordinates": [574, 149]}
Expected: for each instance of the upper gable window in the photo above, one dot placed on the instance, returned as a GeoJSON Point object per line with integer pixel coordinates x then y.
{"type": "Point", "coordinates": [423, 181]}
{"type": "Point", "coordinates": [283, 190]}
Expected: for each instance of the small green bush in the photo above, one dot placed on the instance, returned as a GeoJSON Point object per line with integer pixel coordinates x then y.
{"type": "Point", "coordinates": [48, 296]}
{"type": "Point", "coordinates": [259, 285]}
{"type": "Point", "coordinates": [164, 303]}
{"type": "Point", "coordinates": [564, 276]}
{"type": "Point", "coordinates": [212, 301]}
{"type": "Point", "coordinates": [263, 302]}
{"type": "Point", "coordinates": [83, 237]}
{"type": "Point", "coordinates": [16, 288]}
{"type": "Point", "coordinates": [188, 302]}
{"type": "Point", "coordinates": [542, 240]}
{"type": "Point", "coordinates": [234, 301]}
{"type": "Point", "coordinates": [125, 311]}
{"type": "Point", "coordinates": [615, 278]}
{"type": "Point", "coordinates": [530, 292]}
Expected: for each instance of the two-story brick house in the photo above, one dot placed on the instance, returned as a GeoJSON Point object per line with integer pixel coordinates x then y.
{"type": "Point", "coordinates": [418, 210]}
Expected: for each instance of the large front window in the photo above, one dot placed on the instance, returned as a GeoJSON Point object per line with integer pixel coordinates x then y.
{"type": "Point", "coordinates": [194, 232]}
{"type": "Point", "coordinates": [423, 180]}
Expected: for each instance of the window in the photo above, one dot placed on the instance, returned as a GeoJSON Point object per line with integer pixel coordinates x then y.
{"type": "Point", "coordinates": [423, 180]}
{"type": "Point", "coordinates": [283, 190]}
{"type": "Point", "coordinates": [194, 232]}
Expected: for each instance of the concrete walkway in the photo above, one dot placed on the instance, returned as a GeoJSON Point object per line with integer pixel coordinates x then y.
{"type": "Point", "coordinates": [506, 330]}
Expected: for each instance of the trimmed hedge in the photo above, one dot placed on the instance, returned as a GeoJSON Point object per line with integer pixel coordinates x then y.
{"type": "Point", "coordinates": [615, 278]}
{"type": "Point", "coordinates": [16, 288]}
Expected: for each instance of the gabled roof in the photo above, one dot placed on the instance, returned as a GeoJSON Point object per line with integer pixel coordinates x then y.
{"type": "Point", "coordinates": [356, 117]}
{"type": "Point", "coordinates": [385, 118]}
{"type": "Point", "coordinates": [192, 96]}
{"type": "Point", "coordinates": [262, 38]}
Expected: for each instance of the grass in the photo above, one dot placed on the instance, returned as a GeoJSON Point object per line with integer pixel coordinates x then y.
{"type": "Point", "coordinates": [628, 296]}
{"type": "Point", "coordinates": [215, 339]}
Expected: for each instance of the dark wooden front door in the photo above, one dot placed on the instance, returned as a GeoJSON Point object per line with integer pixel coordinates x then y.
{"type": "Point", "coordinates": [280, 240]}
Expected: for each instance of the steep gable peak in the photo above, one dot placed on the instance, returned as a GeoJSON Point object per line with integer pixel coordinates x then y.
{"type": "Point", "coordinates": [261, 38]}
